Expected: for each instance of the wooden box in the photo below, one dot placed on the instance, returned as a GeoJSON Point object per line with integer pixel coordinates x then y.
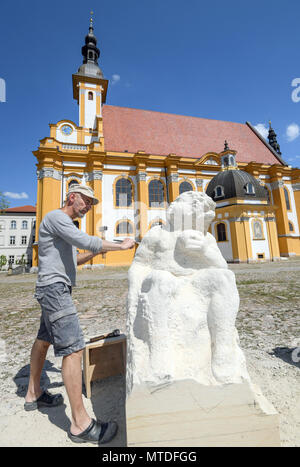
{"type": "Point", "coordinates": [106, 357]}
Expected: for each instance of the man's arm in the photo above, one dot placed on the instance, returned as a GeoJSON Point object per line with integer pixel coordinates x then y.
{"type": "Point", "coordinates": [126, 244]}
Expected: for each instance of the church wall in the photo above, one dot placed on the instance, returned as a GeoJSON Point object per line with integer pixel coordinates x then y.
{"type": "Point", "coordinates": [226, 246]}
{"type": "Point", "coordinates": [294, 246]}
{"type": "Point", "coordinates": [268, 185]}
{"type": "Point", "coordinates": [159, 212]}
{"type": "Point", "coordinates": [68, 139]}
{"type": "Point", "coordinates": [292, 214]}
{"type": "Point", "coordinates": [90, 107]}
{"type": "Point", "coordinates": [110, 213]}
{"type": "Point", "coordinates": [259, 247]}
{"type": "Point", "coordinates": [296, 195]}
{"type": "Point", "coordinates": [205, 183]}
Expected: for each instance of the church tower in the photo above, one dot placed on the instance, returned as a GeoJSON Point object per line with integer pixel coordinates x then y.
{"type": "Point", "coordinates": [74, 153]}
{"type": "Point", "coordinates": [90, 87]}
{"type": "Point", "coordinates": [273, 140]}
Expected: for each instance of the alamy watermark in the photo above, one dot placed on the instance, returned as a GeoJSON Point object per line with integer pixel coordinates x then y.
{"type": "Point", "coordinates": [2, 90]}
{"type": "Point", "coordinates": [296, 91]}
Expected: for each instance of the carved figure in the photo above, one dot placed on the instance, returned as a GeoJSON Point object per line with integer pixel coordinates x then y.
{"type": "Point", "coordinates": [182, 302]}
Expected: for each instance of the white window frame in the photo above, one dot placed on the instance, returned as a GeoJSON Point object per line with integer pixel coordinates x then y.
{"type": "Point", "coordinates": [222, 191]}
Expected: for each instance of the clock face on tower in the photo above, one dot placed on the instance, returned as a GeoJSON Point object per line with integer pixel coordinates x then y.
{"type": "Point", "coordinates": [66, 129]}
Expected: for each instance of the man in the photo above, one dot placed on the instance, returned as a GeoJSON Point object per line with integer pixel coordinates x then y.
{"type": "Point", "coordinates": [58, 258]}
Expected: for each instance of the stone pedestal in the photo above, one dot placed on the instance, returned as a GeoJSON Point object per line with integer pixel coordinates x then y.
{"type": "Point", "coordinates": [188, 414]}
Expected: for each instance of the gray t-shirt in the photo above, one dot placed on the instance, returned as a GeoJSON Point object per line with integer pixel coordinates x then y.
{"type": "Point", "coordinates": [58, 240]}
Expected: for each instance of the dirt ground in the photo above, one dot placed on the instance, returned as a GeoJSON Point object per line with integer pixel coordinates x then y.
{"type": "Point", "coordinates": [268, 326]}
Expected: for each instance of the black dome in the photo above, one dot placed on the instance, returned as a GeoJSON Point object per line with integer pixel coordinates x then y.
{"type": "Point", "coordinates": [235, 184]}
{"type": "Point", "coordinates": [90, 39]}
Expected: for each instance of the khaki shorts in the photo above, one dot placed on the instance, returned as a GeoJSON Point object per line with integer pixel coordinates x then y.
{"type": "Point", "coordinates": [59, 320]}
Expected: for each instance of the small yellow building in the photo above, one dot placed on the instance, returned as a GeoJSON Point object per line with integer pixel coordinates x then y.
{"type": "Point", "coordinates": [138, 161]}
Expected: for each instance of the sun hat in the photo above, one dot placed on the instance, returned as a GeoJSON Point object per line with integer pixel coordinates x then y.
{"type": "Point", "coordinates": [84, 190]}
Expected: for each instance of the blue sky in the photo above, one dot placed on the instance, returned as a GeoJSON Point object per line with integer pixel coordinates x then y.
{"type": "Point", "coordinates": [232, 60]}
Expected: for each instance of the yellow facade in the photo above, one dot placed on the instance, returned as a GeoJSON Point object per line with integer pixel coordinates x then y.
{"type": "Point", "coordinates": [51, 156]}
{"type": "Point", "coordinates": [81, 155]}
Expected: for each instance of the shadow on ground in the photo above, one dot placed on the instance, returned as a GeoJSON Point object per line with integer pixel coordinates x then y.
{"type": "Point", "coordinates": [288, 355]}
{"type": "Point", "coordinates": [107, 400]}
{"type": "Point", "coordinates": [56, 415]}
{"type": "Point", "coordinates": [21, 379]}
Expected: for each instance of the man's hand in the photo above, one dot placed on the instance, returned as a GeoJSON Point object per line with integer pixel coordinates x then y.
{"type": "Point", "coordinates": [127, 244]}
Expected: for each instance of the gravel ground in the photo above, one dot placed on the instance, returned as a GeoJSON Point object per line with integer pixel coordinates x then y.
{"type": "Point", "coordinates": [268, 326]}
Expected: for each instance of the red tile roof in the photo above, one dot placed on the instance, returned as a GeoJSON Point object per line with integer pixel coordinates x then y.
{"type": "Point", "coordinates": [24, 209]}
{"type": "Point", "coordinates": [160, 133]}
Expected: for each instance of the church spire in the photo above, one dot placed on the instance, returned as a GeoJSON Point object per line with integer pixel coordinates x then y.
{"type": "Point", "coordinates": [89, 84]}
{"type": "Point", "coordinates": [90, 51]}
{"type": "Point", "coordinates": [272, 140]}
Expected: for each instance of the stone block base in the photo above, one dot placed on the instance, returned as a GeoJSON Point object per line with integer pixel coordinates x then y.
{"type": "Point", "coordinates": [188, 414]}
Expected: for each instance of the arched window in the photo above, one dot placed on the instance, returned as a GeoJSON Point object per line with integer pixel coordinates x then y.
{"type": "Point", "coordinates": [124, 228]}
{"type": "Point", "coordinates": [13, 225]}
{"type": "Point", "coordinates": [90, 96]}
{"type": "Point", "coordinates": [24, 225]}
{"type": "Point", "coordinates": [291, 227]}
{"type": "Point", "coordinates": [156, 193]}
{"type": "Point", "coordinates": [123, 192]}
{"type": "Point", "coordinates": [287, 199]}
{"type": "Point", "coordinates": [185, 186]}
{"type": "Point", "coordinates": [249, 188]}
{"type": "Point", "coordinates": [219, 191]}
{"type": "Point", "coordinates": [73, 182]}
{"type": "Point", "coordinates": [221, 232]}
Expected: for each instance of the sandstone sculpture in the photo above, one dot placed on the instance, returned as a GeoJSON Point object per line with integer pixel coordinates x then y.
{"type": "Point", "coordinates": [187, 381]}
{"type": "Point", "coordinates": [183, 302]}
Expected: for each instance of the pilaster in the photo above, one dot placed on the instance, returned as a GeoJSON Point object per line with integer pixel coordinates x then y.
{"type": "Point", "coordinates": [172, 176]}
{"type": "Point", "coordinates": [142, 196]}
{"type": "Point", "coordinates": [277, 186]}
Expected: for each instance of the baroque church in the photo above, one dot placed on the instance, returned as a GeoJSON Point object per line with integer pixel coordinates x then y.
{"type": "Point", "coordinates": [139, 161]}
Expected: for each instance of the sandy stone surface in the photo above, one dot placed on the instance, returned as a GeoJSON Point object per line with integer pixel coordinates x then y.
{"type": "Point", "coordinates": [268, 326]}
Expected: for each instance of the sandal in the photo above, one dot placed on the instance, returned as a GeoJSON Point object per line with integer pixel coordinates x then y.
{"type": "Point", "coordinates": [46, 399]}
{"type": "Point", "coordinates": [96, 433]}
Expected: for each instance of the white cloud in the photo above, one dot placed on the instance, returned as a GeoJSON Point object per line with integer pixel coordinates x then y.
{"type": "Point", "coordinates": [115, 79]}
{"type": "Point", "coordinates": [262, 129]}
{"type": "Point", "coordinates": [292, 131]}
{"type": "Point", "coordinates": [22, 195]}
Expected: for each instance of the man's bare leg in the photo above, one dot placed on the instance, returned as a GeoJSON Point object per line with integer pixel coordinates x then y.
{"type": "Point", "coordinates": [72, 377]}
{"type": "Point", "coordinates": [37, 360]}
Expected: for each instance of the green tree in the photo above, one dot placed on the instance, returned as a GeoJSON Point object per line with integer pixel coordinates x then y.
{"type": "Point", "coordinates": [4, 203]}
{"type": "Point", "coordinates": [3, 261]}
